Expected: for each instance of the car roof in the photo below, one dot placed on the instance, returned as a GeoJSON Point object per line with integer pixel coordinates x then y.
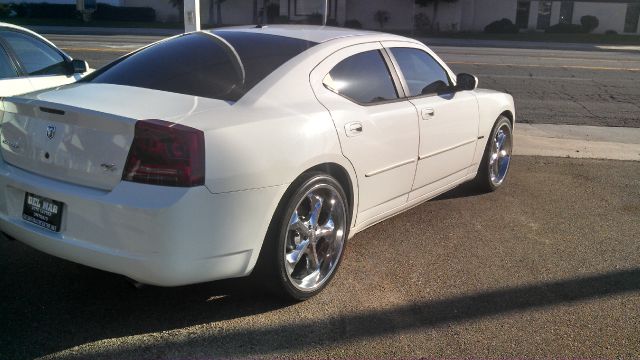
{"type": "Point", "coordinates": [312, 33]}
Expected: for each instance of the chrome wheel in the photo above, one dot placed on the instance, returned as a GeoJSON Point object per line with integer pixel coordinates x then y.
{"type": "Point", "coordinates": [315, 237]}
{"type": "Point", "coordinates": [500, 155]}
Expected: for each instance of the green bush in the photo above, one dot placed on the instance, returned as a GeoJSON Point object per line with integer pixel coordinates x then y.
{"type": "Point", "coordinates": [565, 29]}
{"type": "Point", "coordinates": [611, 32]}
{"type": "Point", "coordinates": [5, 10]}
{"type": "Point", "coordinates": [44, 10]}
{"type": "Point", "coordinates": [589, 23]}
{"type": "Point", "coordinates": [504, 26]}
{"type": "Point", "coordinates": [124, 13]}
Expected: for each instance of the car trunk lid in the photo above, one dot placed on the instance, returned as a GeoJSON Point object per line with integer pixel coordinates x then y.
{"type": "Point", "coordinates": [82, 134]}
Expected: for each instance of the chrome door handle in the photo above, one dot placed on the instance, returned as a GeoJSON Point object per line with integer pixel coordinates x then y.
{"type": "Point", "coordinates": [353, 128]}
{"type": "Point", "coordinates": [428, 113]}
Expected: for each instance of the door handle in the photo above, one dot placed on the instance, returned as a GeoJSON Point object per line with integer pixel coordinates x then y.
{"type": "Point", "coordinates": [428, 113]}
{"type": "Point", "coordinates": [353, 128]}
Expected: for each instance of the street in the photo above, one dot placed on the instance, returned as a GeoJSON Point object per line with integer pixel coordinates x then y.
{"type": "Point", "coordinates": [548, 266]}
{"type": "Point", "coordinates": [577, 87]}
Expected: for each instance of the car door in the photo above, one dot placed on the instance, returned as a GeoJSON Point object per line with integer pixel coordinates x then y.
{"type": "Point", "coordinates": [40, 63]}
{"type": "Point", "coordinates": [10, 81]}
{"type": "Point", "coordinates": [378, 130]}
{"type": "Point", "coordinates": [449, 119]}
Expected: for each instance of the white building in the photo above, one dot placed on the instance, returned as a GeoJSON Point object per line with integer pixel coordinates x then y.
{"type": "Point", "coordinates": [621, 16]}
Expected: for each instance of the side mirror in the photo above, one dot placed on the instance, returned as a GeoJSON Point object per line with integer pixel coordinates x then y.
{"type": "Point", "coordinates": [79, 66]}
{"type": "Point", "coordinates": [466, 82]}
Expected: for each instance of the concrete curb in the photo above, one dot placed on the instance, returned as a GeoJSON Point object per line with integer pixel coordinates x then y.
{"type": "Point", "coordinates": [574, 141]}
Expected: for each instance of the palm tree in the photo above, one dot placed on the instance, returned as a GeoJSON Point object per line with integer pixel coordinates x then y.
{"type": "Point", "coordinates": [180, 5]}
{"type": "Point", "coordinates": [435, 3]}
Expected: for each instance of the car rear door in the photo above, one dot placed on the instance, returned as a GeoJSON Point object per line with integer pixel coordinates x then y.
{"type": "Point", "coordinates": [449, 119]}
{"type": "Point", "coordinates": [377, 128]}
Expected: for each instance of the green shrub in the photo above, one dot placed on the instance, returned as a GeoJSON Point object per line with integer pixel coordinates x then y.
{"type": "Point", "coordinates": [5, 10]}
{"type": "Point", "coordinates": [44, 10]}
{"type": "Point", "coordinates": [589, 23]}
{"type": "Point", "coordinates": [611, 32]}
{"type": "Point", "coordinates": [565, 29]}
{"type": "Point", "coordinates": [504, 26]}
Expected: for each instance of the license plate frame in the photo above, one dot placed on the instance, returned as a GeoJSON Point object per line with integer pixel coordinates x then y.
{"type": "Point", "coordinates": [43, 212]}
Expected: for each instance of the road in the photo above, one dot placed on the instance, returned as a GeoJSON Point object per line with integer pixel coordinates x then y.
{"type": "Point", "coordinates": [599, 88]}
{"type": "Point", "coordinates": [548, 266]}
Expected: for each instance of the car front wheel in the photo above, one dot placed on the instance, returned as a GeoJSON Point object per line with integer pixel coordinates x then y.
{"type": "Point", "coordinates": [497, 156]}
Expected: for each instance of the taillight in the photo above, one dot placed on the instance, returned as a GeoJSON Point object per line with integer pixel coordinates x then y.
{"type": "Point", "coordinates": [164, 153]}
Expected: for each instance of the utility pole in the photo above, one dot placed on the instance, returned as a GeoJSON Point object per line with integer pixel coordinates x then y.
{"type": "Point", "coordinates": [326, 13]}
{"type": "Point", "coordinates": [191, 15]}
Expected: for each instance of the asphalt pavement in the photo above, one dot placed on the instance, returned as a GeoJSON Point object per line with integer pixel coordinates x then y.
{"type": "Point", "coordinates": [548, 266]}
{"type": "Point", "coordinates": [573, 84]}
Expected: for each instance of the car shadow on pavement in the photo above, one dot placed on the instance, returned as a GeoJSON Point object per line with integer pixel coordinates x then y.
{"type": "Point", "coordinates": [73, 304]}
{"type": "Point", "coordinates": [300, 335]}
{"type": "Point", "coordinates": [88, 305]}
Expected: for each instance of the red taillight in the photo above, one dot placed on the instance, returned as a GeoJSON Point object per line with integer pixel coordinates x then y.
{"type": "Point", "coordinates": [164, 153]}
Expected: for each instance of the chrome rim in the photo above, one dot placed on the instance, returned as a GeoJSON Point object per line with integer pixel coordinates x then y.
{"type": "Point", "coordinates": [500, 155]}
{"type": "Point", "coordinates": [315, 237]}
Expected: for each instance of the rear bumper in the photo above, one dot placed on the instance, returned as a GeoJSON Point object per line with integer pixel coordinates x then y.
{"type": "Point", "coordinates": [156, 235]}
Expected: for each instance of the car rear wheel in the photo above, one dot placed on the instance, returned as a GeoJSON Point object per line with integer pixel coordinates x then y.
{"type": "Point", "coordinates": [306, 245]}
{"type": "Point", "coordinates": [497, 156]}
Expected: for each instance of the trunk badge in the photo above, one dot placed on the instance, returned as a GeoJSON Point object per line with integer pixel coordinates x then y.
{"type": "Point", "coordinates": [51, 132]}
{"type": "Point", "coordinates": [109, 167]}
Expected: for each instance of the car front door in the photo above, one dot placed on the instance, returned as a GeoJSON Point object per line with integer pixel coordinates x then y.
{"type": "Point", "coordinates": [449, 119]}
{"type": "Point", "coordinates": [10, 82]}
{"type": "Point", "coordinates": [377, 128]}
{"type": "Point", "coordinates": [40, 63]}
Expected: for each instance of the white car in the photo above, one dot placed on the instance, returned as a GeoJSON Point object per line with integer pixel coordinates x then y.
{"type": "Point", "coordinates": [29, 62]}
{"type": "Point", "coordinates": [216, 154]}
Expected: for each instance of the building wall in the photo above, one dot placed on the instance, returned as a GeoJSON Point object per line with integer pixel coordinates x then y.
{"type": "Point", "coordinates": [488, 11]}
{"type": "Point", "coordinates": [164, 10]}
{"type": "Point", "coordinates": [400, 13]}
{"type": "Point", "coordinates": [110, 2]}
{"type": "Point", "coordinates": [611, 16]}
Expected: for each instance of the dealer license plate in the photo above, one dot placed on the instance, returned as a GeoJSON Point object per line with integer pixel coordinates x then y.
{"type": "Point", "coordinates": [43, 212]}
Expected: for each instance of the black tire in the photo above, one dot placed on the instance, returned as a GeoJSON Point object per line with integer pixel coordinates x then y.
{"type": "Point", "coordinates": [271, 269]}
{"type": "Point", "coordinates": [486, 181]}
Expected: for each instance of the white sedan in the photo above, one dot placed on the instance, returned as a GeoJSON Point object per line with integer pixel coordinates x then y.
{"type": "Point", "coordinates": [29, 62]}
{"type": "Point", "coordinates": [218, 154]}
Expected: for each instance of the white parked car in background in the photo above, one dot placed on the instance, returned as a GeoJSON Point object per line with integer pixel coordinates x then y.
{"type": "Point", "coordinates": [29, 62]}
{"type": "Point", "coordinates": [216, 154]}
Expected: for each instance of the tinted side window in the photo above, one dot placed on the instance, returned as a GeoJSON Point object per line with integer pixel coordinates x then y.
{"type": "Point", "coordinates": [364, 78]}
{"type": "Point", "coordinates": [6, 67]}
{"type": "Point", "coordinates": [36, 57]}
{"type": "Point", "coordinates": [421, 72]}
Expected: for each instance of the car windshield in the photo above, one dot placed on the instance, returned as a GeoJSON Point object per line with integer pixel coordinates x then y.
{"type": "Point", "coordinates": [222, 65]}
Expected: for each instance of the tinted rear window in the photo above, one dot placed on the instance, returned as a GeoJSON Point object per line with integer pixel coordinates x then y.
{"type": "Point", "coordinates": [202, 65]}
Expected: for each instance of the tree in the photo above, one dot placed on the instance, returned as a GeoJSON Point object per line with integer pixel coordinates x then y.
{"type": "Point", "coordinates": [435, 3]}
{"type": "Point", "coordinates": [381, 17]}
{"type": "Point", "coordinates": [180, 5]}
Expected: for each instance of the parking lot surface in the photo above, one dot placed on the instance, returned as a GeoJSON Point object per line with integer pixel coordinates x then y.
{"type": "Point", "coordinates": [547, 266]}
